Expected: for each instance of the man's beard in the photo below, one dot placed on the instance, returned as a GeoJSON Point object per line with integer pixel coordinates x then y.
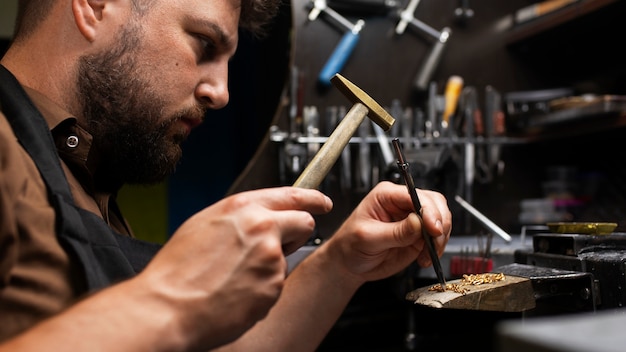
{"type": "Point", "coordinates": [133, 141]}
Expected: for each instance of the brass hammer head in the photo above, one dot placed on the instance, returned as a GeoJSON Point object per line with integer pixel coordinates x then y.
{"type": "Point", "coordinates": [376, 112]}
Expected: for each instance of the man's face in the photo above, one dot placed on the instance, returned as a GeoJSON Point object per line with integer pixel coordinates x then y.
{"type": "Point", "coordinates": [141, 96]}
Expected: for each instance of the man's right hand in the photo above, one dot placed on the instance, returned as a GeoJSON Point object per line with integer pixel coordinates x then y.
{"type": "Point", "coordinates": [225, 266]}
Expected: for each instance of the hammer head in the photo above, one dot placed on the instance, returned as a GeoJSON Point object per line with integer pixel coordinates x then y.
{"type": "Point", "coordinates": [376, 112]}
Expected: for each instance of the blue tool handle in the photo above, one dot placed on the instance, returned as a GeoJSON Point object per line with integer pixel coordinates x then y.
{"type": "Point", "coordinates": [338, 58]}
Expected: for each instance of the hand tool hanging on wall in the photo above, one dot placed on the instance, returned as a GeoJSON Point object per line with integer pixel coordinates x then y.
{"type": "Point", "coordinates": [431, 126]}
{"type": "Point", "coordinates": [494, 127]}
{"type": "Point", "coordinates": [311, 118]}
{"type": "Point", "coordinates": [451, 100]}
{"type": "Point", "coordinates": [344, 49]}
{"type": "Point", "coordinates": [345, 179]}
{"type": "Point", "coordinates": [365, 163]}
{"type": "Point", "coordinates": [330, 123]}
{"type": "Point", "coordinates": [407, 128]}
{"type": "Point", "coordinates": [396, 110]}
{"type": "Point", "coordinates": [383, 142]}
{"type": "Point", "coordinates": [429, 65]}
{"type": "Point", "coordinates": [418, 125]}
{"type": "Point", "coordinates": [463, 13]}
{"type": "Point", "coordinates": [296, 96]}
{"type": "Point", "coordinates": [294, 154]}
{"type": "Point", "coordinates": [485, 221]}
{"type": "Point", "coordinates": [469, 107]}
{"type": "Point", "coordinates": [325, 158]}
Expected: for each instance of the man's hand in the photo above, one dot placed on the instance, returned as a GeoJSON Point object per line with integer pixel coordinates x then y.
{"type": "Point", "coordinates": [383, 235]}
{"type": "Point", "coordinates": [224, 268]}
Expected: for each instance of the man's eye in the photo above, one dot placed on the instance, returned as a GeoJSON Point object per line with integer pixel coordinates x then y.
{"type": "Point", "coordinates": [207, 48]}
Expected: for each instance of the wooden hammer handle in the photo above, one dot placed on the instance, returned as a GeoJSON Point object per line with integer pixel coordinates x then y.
{"type": "Point", "coordinates": [328, 154]}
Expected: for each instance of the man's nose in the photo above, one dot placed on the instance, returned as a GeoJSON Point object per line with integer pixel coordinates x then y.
{"type": "Point", "coordinates": [212, 90]}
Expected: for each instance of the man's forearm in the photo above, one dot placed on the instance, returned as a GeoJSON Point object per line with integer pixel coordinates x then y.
{"type": "Point", "coordinates": [120, 318]}
{"type": "Point", "coordinates": [314, 296]}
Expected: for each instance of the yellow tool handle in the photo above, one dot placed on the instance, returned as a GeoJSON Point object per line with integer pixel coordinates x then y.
{"type": "Point", "coordinates": [451, 95]}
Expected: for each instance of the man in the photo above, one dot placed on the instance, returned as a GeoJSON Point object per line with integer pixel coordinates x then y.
{"type": "Point", "coordinates": [98, 93]}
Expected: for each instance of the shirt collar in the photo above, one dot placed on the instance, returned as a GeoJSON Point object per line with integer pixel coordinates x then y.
{"type": "Point", "coordinates": [74, 143]}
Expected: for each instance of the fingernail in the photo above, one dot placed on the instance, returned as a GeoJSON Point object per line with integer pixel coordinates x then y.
{"type": "Point", "coordinates": [329, 203]}
{"type": "Point", "coordinates": [439, 226]}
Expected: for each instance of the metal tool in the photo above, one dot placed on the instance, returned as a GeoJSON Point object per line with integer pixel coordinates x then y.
{"type": "Point", "coordinates": [490, 225]}
{"type": "Point", "coordinates": [463, 12]}
{"type": "Point", "coordinates": [396, 110]}
{"type": "Point", "coordinates": [363, 106]}
{"type": "Point", "coordinates": [383, 142]}
{"type": "Point", "coordinates": [418, 125]}
{"type": "Point", "coordinates": [433, 58]}
{"type": "Point", "coordinates": [364, 162]}
{"type": "Point", "coordinates": [296, 95]}
{"type": "Point", "coordinates": [311, 119]}
{"type": "Point", "coordinates": [431, 129]}
{"type": "Point", "coordinates": [407, 128]}
{"type": "Point", "coordinates": [344, 49]}
{"type": "Point", "coordinates": [330, 123]}
{"type": "Point", "coordinates": [408, 179]}
{"type": "Point", "coordinates": [494, 126]}
{"type": "Point", "coordinates": [345, 178]}
{"type": "Point", "coordinates": [294, 154]}
{"type": "Point", "coordinates": [406, 16]}
{"type": "Point", "coordinates": [469, 103]}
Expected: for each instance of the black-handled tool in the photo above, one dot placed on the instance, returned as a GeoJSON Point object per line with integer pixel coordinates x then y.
{"type": "Point", "coordinates": [408, 179]}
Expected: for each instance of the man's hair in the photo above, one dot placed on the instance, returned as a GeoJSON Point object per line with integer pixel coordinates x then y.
{"type": "Point", "coordinates": [255, 14]}
{"type": "Point", "coordinates": [29, 14]}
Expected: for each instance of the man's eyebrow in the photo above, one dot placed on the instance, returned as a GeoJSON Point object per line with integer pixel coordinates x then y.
{"type": "Point", "coordinates": [212, 27]}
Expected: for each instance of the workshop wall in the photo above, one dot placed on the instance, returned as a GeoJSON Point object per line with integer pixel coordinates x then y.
{"type": "Point", "coordinates": [570, 49]}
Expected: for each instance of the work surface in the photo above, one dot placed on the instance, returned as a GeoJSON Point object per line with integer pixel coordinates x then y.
{"type": "Point", "coordinates": [598, 332]}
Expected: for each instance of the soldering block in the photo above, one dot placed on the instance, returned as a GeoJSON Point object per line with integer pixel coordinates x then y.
{"type": "Point", "coordinates": [513, 294]}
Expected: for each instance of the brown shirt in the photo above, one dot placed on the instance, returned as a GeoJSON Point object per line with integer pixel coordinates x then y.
{"type": "Point", "coordinates": [36, 278]}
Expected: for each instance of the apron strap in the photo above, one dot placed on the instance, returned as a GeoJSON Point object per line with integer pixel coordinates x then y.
{"type": "Point", "coordinates": [34, 135]}
{"type": "Point", "coordinates": [106, 256]}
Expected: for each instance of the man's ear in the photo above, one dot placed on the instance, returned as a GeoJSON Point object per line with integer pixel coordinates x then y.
{"type": "Point", "coordinates": [87, 13]}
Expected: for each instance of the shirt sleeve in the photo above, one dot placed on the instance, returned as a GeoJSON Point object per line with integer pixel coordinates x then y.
{"type": "Point", "coordinates": [8, 225]}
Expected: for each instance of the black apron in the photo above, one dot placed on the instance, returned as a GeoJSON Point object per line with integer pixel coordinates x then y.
{"type": "Point", "coordinates": [105, 256]}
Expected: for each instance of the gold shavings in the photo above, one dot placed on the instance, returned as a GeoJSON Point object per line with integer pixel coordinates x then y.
{"type": "Point", "coordinates": [449, 287]}
{"type": "Point", "coordinates": [471, 279]}
{"type": "Point", "coordinates": [479, 279]}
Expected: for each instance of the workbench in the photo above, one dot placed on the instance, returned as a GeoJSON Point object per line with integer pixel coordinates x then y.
{"type": "Point", "coordinates": [584, 332]}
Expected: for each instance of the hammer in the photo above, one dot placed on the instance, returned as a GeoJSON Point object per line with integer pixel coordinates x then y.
{"type": "Point", "coordinates": [325, 158]}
